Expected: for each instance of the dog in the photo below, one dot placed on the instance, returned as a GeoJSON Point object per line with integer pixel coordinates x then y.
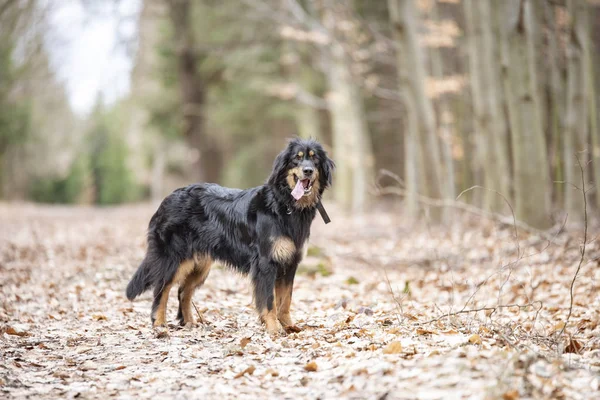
{"type": "Point", "coordinates": [260, 232]}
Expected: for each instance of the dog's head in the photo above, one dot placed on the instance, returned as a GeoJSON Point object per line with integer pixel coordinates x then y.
{"type": "Point", "coordinates": [303, 170]}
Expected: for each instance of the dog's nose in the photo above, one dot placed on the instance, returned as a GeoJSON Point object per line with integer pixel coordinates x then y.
{"type": "Point", "coordinates": [307, 171]}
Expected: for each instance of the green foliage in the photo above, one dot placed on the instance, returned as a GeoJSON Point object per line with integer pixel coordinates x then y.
{"type": "Point", "coordinates": [237, 71]}
{"type": "Point", "coordinates": [67, 190]}
{"type": "Point", "coordinates": [112, 180]}
{"type": "Point", "coordinates": [351, 281]}
{"type": "Point", "coordinates": [14, 115]}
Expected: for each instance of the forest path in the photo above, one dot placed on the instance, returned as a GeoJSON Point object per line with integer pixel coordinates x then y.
{"type": "Point", "coordinates": [67, 330]}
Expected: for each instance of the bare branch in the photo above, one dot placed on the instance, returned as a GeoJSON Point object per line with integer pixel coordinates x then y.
{"type": "Point", "coordinates": [463, 206]}
{"type": "Point", "coordinates": [492, 309]}
{"type": "Point", "coordinates": [583, 247]}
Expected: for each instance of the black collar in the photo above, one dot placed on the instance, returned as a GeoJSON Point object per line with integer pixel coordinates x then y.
{"type": "Point", "coordinates": [321, 209]}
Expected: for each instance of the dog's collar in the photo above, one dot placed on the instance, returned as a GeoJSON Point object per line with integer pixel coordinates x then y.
{"type": "Point", "coordinates": [323, 212]}
{"type": "Point", "coordinates": [321, 209]}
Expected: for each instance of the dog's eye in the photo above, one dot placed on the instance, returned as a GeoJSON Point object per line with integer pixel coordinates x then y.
{"type": "Point", "coordinates": [300, 156]}
{"type": "Point", "coordinates": [311, 154]}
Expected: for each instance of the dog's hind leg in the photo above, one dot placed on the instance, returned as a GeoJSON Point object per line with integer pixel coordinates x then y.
{"type": "Point", "coordinates": [159, 305]}
{"type": "Point", "coordinates": [263, 278]}
{"type": "Point", "coordinates": [161, 293]}
{"type": "Point", "coordinates": [186, 290]}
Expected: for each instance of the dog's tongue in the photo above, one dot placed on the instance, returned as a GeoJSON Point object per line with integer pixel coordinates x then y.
{"type": "Point", "coordinates": [298, 191]}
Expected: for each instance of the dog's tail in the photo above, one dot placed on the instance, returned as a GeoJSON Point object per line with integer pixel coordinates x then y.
{"type": "Point", "coordinates": [153, 271]}
{"type": "Point", "coordinates": [140, 282]}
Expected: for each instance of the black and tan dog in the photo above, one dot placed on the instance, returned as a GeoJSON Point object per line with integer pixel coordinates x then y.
{"type": "Point", "coordinates": [259, 231]}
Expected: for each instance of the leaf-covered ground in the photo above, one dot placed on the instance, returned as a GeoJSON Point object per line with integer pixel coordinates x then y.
{"type": "Point", "coordinates": [386, 310]}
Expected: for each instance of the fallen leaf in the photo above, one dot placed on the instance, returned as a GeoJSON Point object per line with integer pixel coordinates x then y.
{"type": "Point", "coordinates": [393, 348]}
{"type": "Point", "coordinates": [557, 327]}
{"type": "Point", "coordinates": [475, 339]}
{"type": "Point", "coordinates": [271, 372]}
{"type": "Point", "coordinates": [16, 332]}
{"type": "Point", "coordinates": [292, 329]}
{"type": "Point", "coordinates": [249, 371]}
{"type": "Point", "coordinates": [574, 346]}
{"type": "Point", "coordinates": [511, 395]}
{"type": "Point", "coordinates": [161, 333]}
{"type": "Point", "coordinates": [311, 367]}
{"type": "Point", "coordinates": [244, 342]}
{"type": "Point", "coordinates": [60, 374]}
{"type": "Point", "coordinates": [450, 332]}
{"type": "Point", "coordinates": [421, 331]}
{"type": "Point", "coordinates": [99, 317]}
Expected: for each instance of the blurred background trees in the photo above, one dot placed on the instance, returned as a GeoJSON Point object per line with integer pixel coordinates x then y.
{"type": "Point", "coordinates": [445, 94]}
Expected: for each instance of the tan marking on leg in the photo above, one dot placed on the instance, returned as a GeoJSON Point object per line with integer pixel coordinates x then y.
{"type": "Point", "coordinates": [161, 311]}
{"type": "Point", "coordinates": [283, 292]}
{"type": "Point", "coordinates": [194, 279]}
{"type": "Point", "coordinates": [269, 318]}
{"type": "Point", "coordinates": [283, 249]}
{"type": "Point", "coordinates": [271, 322]}
{"type": "Point", "coordinates": [185, 268]}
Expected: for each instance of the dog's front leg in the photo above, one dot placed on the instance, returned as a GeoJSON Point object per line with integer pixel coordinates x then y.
{"type": "Point", "coordinates": [283, 294]}
{"type": "Point", "coordinates": [263, 278]}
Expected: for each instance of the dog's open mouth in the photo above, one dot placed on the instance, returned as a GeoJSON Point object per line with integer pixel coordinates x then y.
{"type": "Point", "coordinates": [303, 187]}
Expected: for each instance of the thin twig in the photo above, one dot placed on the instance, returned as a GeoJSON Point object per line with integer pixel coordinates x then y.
{"type": "Point", "coordinates": [398, 304]}
{"type": "Point", "coordinates": [200, 316]}
{"type": "Point", "coordinates": [475, 310]}
{"type": "Point", "coordinates": [462, 206]}
{"type": "Point", "coordinates": [585, 233]}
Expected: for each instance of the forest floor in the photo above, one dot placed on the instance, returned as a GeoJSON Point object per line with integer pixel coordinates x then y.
{"type": "Point", "coordinates": [387, 310]}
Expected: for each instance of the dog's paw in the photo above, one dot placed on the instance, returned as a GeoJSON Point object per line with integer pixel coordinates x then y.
{"type": "Point", "coordinates": [275, 329]}
{"type": "Point", "coordinates": [286, 319]}
{"type": "Point", "coordinates": [161, 332]}
{"type": "Point", "coordinates": [191, 325]}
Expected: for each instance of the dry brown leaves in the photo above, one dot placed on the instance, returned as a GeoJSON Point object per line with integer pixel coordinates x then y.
{"type": "Point", "coordinates": [67, 330]}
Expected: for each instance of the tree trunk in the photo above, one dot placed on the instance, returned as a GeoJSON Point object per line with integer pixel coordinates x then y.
{"type": "Point", "coordinates": [410, 55]}
{"type": "Point", "coordinates": [207, 165]}
{"type": "Point", "coordinates": [447, 121]}
{"type": "Point", "coordinates": [588, 61]}
{"type": "Point", "coordinates": [528, 145]}
{"type": "Point", "coordinates": [575, 133]}
{"type": "Point", "coordinates": [307, 117]}
{"type": "Point", "coordinates": [485, 88]}
{"type": "Point", "coordinates": [352, 146]}
{"type": "Point", "coordinates": [556, 103]}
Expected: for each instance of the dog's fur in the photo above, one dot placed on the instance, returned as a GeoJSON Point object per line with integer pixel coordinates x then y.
{"type": "Point", "coordinates": [259, 231]}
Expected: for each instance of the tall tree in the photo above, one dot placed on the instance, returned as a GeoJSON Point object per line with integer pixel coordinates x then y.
{"type": "Point", "coordinates": [404, 24]}
{"type": "Point", "coordinates": [531, 171]}
{"type": "Point", "coordinates": [207, 166]}
{"type": "Point", "coordinates": [351, 139]}
{"type": "Point", "coordinates": [485, 89]}
{"type": "Point", "coordinates": [576, 123]}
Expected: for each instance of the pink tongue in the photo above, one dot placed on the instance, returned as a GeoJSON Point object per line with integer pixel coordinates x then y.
{"type": "Point", "coordinates": [298, 191]}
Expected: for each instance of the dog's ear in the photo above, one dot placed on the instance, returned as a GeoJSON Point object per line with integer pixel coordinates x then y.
{"type": "Point", "coordinates": [279, 167]}
{"type": "Point", "coordinates": [329, 167]}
